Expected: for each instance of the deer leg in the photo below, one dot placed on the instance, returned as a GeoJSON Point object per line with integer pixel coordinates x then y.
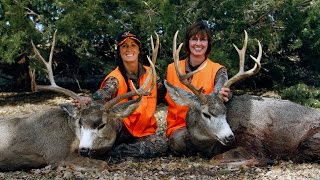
{"type": "Point", "coordinates": [155, 145]}
{"type": "Point", "coordinates": [180, 143]}
{"type": "Point", "coordinates": [240, 157]}
{"type": "Point", "coordinates": [145, 147]}
{"type": "Point", "coordinates": [81, 164]}
{"type": "Point", "coordinates": [309, 150]}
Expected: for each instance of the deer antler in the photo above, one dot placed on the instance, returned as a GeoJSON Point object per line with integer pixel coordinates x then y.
{"type": "Point", "coordinates": [53, 87]}
{"type": "Point", "coordinates": [244, 74]}
{"type": "Point", "coordinates": [184, 77]}
{"type": "Point", "coordinates": [155, 49]}
{"type": "Point", "coordinates": [143, 89]}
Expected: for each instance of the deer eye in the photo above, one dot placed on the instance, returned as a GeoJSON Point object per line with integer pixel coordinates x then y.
{"type": "Point", "coordinates": [206, 115]}
{"type": "Point", "coordinates": [101, 126]}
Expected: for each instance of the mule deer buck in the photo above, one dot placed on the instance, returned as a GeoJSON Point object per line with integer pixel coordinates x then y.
{"type": "Point", "coordinates": [67, 135]}
{"type": "Point", "coordinates": [248, 129]}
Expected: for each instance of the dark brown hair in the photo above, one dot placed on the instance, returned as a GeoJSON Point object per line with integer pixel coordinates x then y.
{"type": "Point", "coordinates": [119, 41]}
{"type": "Point", "coordinates": [200, 28]}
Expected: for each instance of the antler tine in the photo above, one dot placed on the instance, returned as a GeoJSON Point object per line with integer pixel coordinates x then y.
{"type": "Point", "coordinates": [48, 64]}
{"type": "Point", "coordinates": [176, 52]}
{"type": "Point", "coordinates": [183, 78]}
{"type": "Point", "coordinates": [141, 91]}
{"type": "Point", "coordinates": [244, 74]}
{"type": "Point", "coordinates": [155, 48]}
{"type": "Point", "coordinates": [152, 75]}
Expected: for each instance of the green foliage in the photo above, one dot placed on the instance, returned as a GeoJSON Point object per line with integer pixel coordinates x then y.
{"type": "Point", "coordinates": [288, 30]}
{"type": "Point", "coordinates": [302, 94]}
{"type": "Point", "coordinates": [15, 31]}
{"type": "Point", "coordinates": [11, 46]}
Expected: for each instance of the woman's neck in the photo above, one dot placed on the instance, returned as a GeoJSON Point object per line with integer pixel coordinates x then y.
{"type": "Point", "coordinates": [131, 67]}
{"type": "Point", "coordinates": [196, 60]}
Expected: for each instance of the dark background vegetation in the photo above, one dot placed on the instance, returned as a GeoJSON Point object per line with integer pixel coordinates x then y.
{"type": "Point", "coordinates": [289, 31]}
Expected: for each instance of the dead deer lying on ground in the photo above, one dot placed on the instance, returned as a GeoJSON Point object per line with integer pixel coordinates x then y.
{"type": "Point", "coordinates": [67, 135]}
{"type": "Point", "coordinates": [251, 129]}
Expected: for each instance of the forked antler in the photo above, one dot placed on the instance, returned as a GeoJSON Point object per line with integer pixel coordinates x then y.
{"type": "Point", "coordinates": [143, 90]}
{"type": "Point", "coordinates": [239, 76]}
{"type": "Point", "coordinates": [244, 74]}
{"type": "Point", "coordinates": [53, 87]}
{"type": "Point", "coordinates": [184, 77]}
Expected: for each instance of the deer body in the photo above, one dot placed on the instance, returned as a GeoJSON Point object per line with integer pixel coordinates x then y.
{"type": "Point", "coordinates": [68, 135]}
{"type": "Point", "coordinates": [52, 136]}
{"type": "Point", "coordinates": [248, 129]}
{"type": "Point", "coordinates": [259, 127]}
{"type": "Point", "coordinates": [24, 141]}
{"type": "Point", "coordinates": [274, 128]}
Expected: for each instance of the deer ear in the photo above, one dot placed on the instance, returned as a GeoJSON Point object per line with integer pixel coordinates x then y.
{"type": "Point", "coordinates": [71, 109]}
{"type": "Point", "coordinates": [222, 79]}
{"type": "Point", "coordinates": [179, 95]}
{"type": "Point", "coordinates": [125, 109]}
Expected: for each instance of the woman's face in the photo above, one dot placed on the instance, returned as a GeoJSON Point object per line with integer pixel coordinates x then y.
{"type": "Point", "coordinates": [129, 51]}
{"type": "Point", "coordinates": [198, 45]}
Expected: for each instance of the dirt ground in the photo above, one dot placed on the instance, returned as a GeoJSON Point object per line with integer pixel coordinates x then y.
{"type": "Point", "coordinates": [13, 104]}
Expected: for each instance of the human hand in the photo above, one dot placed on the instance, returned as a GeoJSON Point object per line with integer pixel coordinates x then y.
{"type": "Point", "coordinates": [85, 99]}
{"type": "Point", "coordinates": [225, 94]}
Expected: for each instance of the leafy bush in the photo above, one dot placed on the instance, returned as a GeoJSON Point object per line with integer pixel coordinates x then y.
{"type": "Point", "coordinates": [302, 94]}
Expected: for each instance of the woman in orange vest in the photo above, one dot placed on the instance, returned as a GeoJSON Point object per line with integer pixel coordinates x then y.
{"type": "Point", "coordinates": [197, 45]}
{"type": "Point", "coordinates": [137, 137]}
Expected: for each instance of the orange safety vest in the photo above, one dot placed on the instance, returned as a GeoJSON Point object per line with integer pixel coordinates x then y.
{"type": "Point", "coordinates": [176, 117]}
{"type": "Point", "coordinates": [142, 121]}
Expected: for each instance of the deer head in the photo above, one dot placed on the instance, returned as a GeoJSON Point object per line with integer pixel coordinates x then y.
{"type": "Point", "coordinates": [206, 117]}
{"type": "Point", "coordinates": [96, 125]}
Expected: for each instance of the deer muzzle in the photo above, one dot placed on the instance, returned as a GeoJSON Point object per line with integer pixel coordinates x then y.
{"type": "Point", "coordinates": [227, 139]}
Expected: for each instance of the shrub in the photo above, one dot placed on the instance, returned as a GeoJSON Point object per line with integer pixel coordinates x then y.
{"type": "Point", "coordinates": [302, 94]}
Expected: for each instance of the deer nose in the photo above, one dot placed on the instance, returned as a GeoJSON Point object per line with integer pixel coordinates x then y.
{"type": "Point", "coordinates": [230, 139]}
{"type": "Point", "coordinates": [84, 152]}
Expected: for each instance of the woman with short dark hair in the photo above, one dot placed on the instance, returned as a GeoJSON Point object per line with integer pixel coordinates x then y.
{"type": "Point", "coordinates": [197, 45]}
